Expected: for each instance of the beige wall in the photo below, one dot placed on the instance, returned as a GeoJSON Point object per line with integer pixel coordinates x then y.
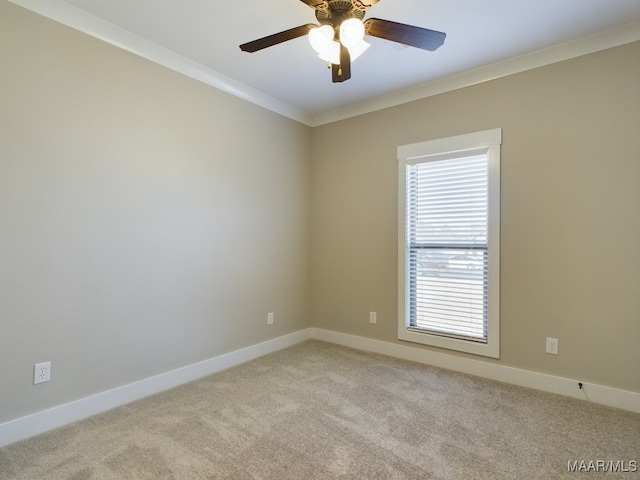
{"type": "Point", "coordinates": [147, 221]}
{"type": "Point", "coordinates": [570, 213]}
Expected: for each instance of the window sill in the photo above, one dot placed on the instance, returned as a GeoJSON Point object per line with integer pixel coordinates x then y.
{"type": "Point", "coordinates": [491, 349]}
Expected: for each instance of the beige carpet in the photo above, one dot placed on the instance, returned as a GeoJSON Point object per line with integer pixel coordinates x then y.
{"type": "Point", "coordinates": [320, 411]}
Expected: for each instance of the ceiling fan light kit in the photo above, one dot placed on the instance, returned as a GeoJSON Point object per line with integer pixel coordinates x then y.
{"type": "Point", "coordinates": [351, 36]}
{"type": "Point", "coordinates": [339, 39]}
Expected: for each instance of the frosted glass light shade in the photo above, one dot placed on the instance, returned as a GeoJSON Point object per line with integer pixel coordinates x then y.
{"type": "Point", "coordinates": [320, 38]}
{"type": "Point", "coordinates": [351, 32]}
{"type": "Point", "coordinates": [332, 55]}
{"type": "Point", "coordinates": [358, 49]}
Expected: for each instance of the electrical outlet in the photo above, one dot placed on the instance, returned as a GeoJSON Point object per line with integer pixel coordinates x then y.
{"type": "Point", "coordinates": [41, 372]}
{"type": "Point", "coordinates": [552, 346]}
{"type": "Point", "coordinates": [270, 318]}
{"type": "Point", "coordinates": [373, 317]}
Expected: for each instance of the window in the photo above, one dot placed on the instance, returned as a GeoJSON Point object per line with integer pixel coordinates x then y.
{"type": "Point", "coordinates": [449, 243]}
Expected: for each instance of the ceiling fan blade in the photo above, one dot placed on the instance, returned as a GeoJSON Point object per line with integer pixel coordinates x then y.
{"type": "Point", "coordinates": [405, 34]}
{"type": "Point", "coordinates": [313, 3]}
{"type": "Point", "coordinates": [342, 72]}
{"type": "Point", "coordinates": [365, 3]}
{"type": "Point", "coordinates": [276, 38]}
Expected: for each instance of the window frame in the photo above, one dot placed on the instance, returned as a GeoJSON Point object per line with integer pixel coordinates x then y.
{"type": "Point", "coordinates": [489, 140]}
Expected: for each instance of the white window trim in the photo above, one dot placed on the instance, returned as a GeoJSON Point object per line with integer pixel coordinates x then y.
{"type": "Point", "coordinates": [416, 152]}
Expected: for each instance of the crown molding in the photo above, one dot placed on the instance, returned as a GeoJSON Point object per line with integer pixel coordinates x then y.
{"type": "Point", "coordinates": [84, 22]}
{"type": "Point", "coordinates": [565, 51]}
{"type": "Point", "coordinates": [77, 19]}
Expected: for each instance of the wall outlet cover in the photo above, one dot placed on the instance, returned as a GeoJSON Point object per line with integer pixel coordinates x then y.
{"type": "Point", "coordinates": [41, 372]}
{"type": "Point", "coordinates": [552, 346]}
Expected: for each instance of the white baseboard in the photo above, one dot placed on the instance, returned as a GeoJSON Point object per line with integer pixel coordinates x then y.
{"type": "Point", "coordinates": [40, 422]}
{"type": "Point", "coordinates": [612, 397]}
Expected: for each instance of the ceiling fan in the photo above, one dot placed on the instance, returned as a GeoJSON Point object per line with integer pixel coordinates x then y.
{"type": "Point", "coordinates": [339, 38]}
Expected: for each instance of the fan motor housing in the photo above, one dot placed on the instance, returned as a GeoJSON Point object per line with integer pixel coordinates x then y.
{"type": "Point", "coordinates": [337, 11]}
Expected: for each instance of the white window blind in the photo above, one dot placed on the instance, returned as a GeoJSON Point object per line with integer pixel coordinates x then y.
{"type": "Point", "coordinates": [447, 225]}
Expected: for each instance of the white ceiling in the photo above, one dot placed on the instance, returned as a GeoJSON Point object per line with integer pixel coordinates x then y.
{"type": "Point", "coordinates": [204, 35]}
